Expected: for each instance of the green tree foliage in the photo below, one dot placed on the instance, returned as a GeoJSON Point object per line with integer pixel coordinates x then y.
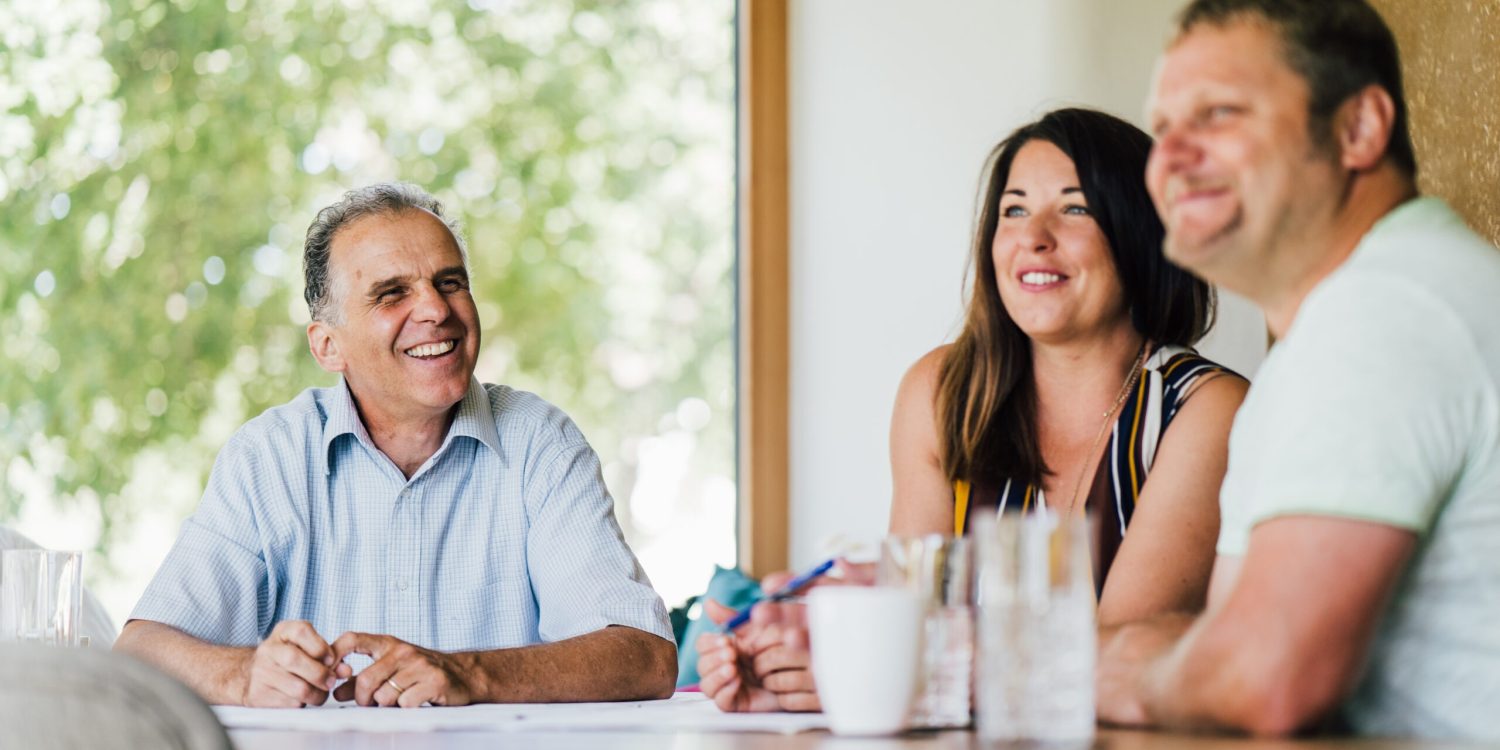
{"type": "Point", "coordinates": [160, 161]}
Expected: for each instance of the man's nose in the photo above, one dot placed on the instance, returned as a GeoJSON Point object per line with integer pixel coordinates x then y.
{"type": "Point", "coordinates": [1174, 149]}
{"type": "Point", "coordinates": [430, 304]}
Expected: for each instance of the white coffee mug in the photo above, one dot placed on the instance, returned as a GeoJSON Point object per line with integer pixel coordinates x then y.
{"type": "Point", "coordinates": [866, 644]}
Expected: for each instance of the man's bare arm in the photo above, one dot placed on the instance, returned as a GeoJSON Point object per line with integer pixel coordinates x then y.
{"type": "Point", "coordinates": [1275, 654]}
{"type": "Point", "coordinates": [293, 667]}
{"type": "Point", "coordinates": [614, 664]}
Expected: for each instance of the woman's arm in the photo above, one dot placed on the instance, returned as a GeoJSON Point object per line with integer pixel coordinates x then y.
{"type": "Point", "coordinates": [756, 673]}
{"type": "Point", "coordinates": [1165, 560]}
{"type": "Point", "coordinates": [922, 497]}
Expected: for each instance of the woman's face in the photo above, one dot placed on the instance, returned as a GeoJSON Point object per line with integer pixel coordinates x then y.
{"type": "Point", "coordinates": [1052, 262]}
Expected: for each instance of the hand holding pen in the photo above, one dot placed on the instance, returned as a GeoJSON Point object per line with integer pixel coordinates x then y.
{"type": "Point", "coordinates": [766, 667]}
{"type": "Point", "coordinates": [787, 591]}
{"type": "Point", "coordinates": [763, 667]}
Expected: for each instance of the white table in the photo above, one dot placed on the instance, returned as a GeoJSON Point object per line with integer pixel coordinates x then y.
{"type": "Point", "coordinates": [1107, 739]}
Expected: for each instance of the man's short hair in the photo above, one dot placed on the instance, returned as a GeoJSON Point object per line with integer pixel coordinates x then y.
{"type": "Point", "coordinates": [380, 199]}
{"type": "Point", "coordinates": [1337, 46]}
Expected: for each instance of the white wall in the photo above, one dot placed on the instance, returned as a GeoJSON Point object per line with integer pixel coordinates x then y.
{"type": "Point", "coordinates": [894, 105]}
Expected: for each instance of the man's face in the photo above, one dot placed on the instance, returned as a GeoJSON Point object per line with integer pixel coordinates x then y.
{"type": "Point", "coordinates": [1234, 173]}
{"type": "Point", "coordinates": [407, 333]}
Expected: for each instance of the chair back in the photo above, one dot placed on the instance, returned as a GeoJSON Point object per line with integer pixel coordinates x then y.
{"type": "Point", "coordinates": [57, 697]}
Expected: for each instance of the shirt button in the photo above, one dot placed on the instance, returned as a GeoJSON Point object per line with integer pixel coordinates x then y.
{"type": "Point", "coordinates": [401, 584]}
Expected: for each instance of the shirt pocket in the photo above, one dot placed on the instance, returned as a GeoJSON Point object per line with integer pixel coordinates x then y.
{"type": "Point", "coordinates": [483, 618]}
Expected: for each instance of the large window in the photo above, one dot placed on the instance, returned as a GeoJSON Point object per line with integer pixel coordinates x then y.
{"type": "Point", "coordinates": [160, 161]}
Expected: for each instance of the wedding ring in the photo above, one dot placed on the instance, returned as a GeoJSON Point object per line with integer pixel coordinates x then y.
{"type": "Point", "coordinates": [399, 690]}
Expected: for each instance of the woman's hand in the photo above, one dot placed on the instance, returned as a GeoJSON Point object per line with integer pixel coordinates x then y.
{"type": "Point", "coordinates": [766, 664]}
{"type": "Point", "coordinates": [725, 665]}
{"type": "Point", "coordinates": [780, 657]}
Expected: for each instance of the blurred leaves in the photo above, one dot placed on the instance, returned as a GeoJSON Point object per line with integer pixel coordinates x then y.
{"type": "Point", "coordinates": [160, 161]}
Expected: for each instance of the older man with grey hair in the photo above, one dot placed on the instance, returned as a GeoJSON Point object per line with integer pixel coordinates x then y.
{"type": "Point", "coordinates": [454, 541]}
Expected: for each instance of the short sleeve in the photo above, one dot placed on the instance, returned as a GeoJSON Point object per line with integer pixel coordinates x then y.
{"type": "Point", "coordinates": [213, 583]}
{"type": "Point", "coordinates": [583, 574]}
{"type": "Point", "coordinates": [1369, 416]}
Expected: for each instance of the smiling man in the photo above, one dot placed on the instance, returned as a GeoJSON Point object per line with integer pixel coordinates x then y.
{"type": "Point", "coordinates": [455, 539]}
{"type": "Point", "coordinates": [1356, 578]}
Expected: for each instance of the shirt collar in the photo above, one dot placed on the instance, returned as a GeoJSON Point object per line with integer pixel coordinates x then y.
{"type": "Point", "coordinates": [475, 419]}
{"type": "Point", "coordinates": [341, 418]}
{"type": "Point", "coordinates": [1419, 213]}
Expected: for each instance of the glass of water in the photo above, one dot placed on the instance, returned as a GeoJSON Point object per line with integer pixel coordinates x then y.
{"type": "Point", "coordinates": [1037, 636]}
{"type": "Point", "coordinates": [41, 596]}
{"type": "Point", "coordinates": [940, 570]}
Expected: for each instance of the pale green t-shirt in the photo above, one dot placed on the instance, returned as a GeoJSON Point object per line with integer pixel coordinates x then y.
{"type": "Point", "coordinates": [1381, 404]}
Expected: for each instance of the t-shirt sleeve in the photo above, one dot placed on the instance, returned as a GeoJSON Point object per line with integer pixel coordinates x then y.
{"type": "Point", "coordinates": [213, 583]}
{"type": "Point", "coordinates": [583, 574]}
{"type": "Point", "coordinates": [1370, 416]}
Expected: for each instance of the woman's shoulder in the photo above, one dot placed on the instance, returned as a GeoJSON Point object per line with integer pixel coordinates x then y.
{"type": "Point", "coordinates": [919, 386]}
{"type": "Point", "coordinates": [929, 365]}
{"type": "Point", "coordinates": [924, 374]}
{"type": "Point", "coordinates": [1186, 374]}
{"type": "Point", "coordinates": [1179, 365]}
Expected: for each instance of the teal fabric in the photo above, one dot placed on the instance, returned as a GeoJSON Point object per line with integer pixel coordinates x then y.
{"type": "Point", "coordinates": [729, 587]}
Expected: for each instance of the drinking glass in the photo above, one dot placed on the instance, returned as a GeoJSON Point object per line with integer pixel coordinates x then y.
{"type": "Point", "coordinates": [1037, 638]}
{"type": "Point", "coordinates": [940, 570]}
{"type": "Point", "coordinates": [41, 596]}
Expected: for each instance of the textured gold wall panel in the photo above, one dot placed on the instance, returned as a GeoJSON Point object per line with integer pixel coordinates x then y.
{"type": "Point", "coordinates": [1450, 56]}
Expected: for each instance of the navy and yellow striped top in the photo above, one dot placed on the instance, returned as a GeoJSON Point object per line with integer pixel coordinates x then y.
{"type": "Point", "coordinates": [1168, 378]}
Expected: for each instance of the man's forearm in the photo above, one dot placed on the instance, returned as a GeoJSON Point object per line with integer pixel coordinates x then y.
{"type": "Point", "coordinates": [1183, 686]}
{"type": "Point", "coordinates": [614, 664]}
{"type": "Point", "coordinates": [218, 674]}
{"type": "Point", "coordinates": [1201, 675]}
{"type": "Point", "coordinates": [1128, 668]}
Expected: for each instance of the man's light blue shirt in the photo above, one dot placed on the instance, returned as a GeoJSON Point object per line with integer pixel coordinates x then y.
{"type": "Point", "coordinates": [505, 537]}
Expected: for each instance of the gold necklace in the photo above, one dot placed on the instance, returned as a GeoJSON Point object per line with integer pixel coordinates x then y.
{"type": "Point", "coordinates": [1125, 388]}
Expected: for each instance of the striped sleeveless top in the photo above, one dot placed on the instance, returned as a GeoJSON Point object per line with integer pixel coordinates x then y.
{"type": "Point", "coordinates": [1168, 377]}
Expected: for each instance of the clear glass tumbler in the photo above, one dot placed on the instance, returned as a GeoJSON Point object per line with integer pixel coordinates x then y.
{"type": "Point", "coordinates": [940, 569]}
{"type": "Point", "coordinates": [1037, 636]}
{"type": "Point", "coordinates": [41, 596]}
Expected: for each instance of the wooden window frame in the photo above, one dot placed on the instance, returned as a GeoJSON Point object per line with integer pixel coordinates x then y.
{"type": "Point", "coordinates": [763, 343]}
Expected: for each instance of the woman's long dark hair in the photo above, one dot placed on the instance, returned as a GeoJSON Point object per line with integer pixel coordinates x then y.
{"type": "Point", "coordinates": [986, 400]}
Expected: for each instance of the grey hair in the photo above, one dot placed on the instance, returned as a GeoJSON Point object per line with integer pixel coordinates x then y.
{"type": "Point", "coordinates": [380, 199]}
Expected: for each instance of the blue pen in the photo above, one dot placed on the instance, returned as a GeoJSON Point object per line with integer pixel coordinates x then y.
{"type": "Point", "coordinates": [786, 592]}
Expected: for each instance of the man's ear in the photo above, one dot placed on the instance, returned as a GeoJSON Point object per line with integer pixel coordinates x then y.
{"type": "Point", "coordinates": [323, 346]}
{"type": "Point", "coordinates": [1363, 128]}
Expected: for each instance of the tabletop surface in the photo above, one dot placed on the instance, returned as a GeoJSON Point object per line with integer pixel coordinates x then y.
{"type": "Point", "coordinates": [686, 722]}
{"type": "Point", "coordinates": [1107, 739]}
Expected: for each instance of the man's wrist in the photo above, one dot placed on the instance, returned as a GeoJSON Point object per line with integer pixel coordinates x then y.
{"type": "Point", "coordinates": [1155, 688]}
{"type": "Point", "coordinates": [479, 673]}
{"type": "Point", "coordinates": [234, 687]}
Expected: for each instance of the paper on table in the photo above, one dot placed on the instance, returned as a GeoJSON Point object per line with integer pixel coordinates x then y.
{"type": "Point", "coordinates": [684, 711]}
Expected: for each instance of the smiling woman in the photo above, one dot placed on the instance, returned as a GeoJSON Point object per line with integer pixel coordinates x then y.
{"type": "Point", "coordinates": [1077, 330]}
{"type": "Point", "coordinates": [1094, 243]}
{"type": "Point", "coordinates": [1052, 262]}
